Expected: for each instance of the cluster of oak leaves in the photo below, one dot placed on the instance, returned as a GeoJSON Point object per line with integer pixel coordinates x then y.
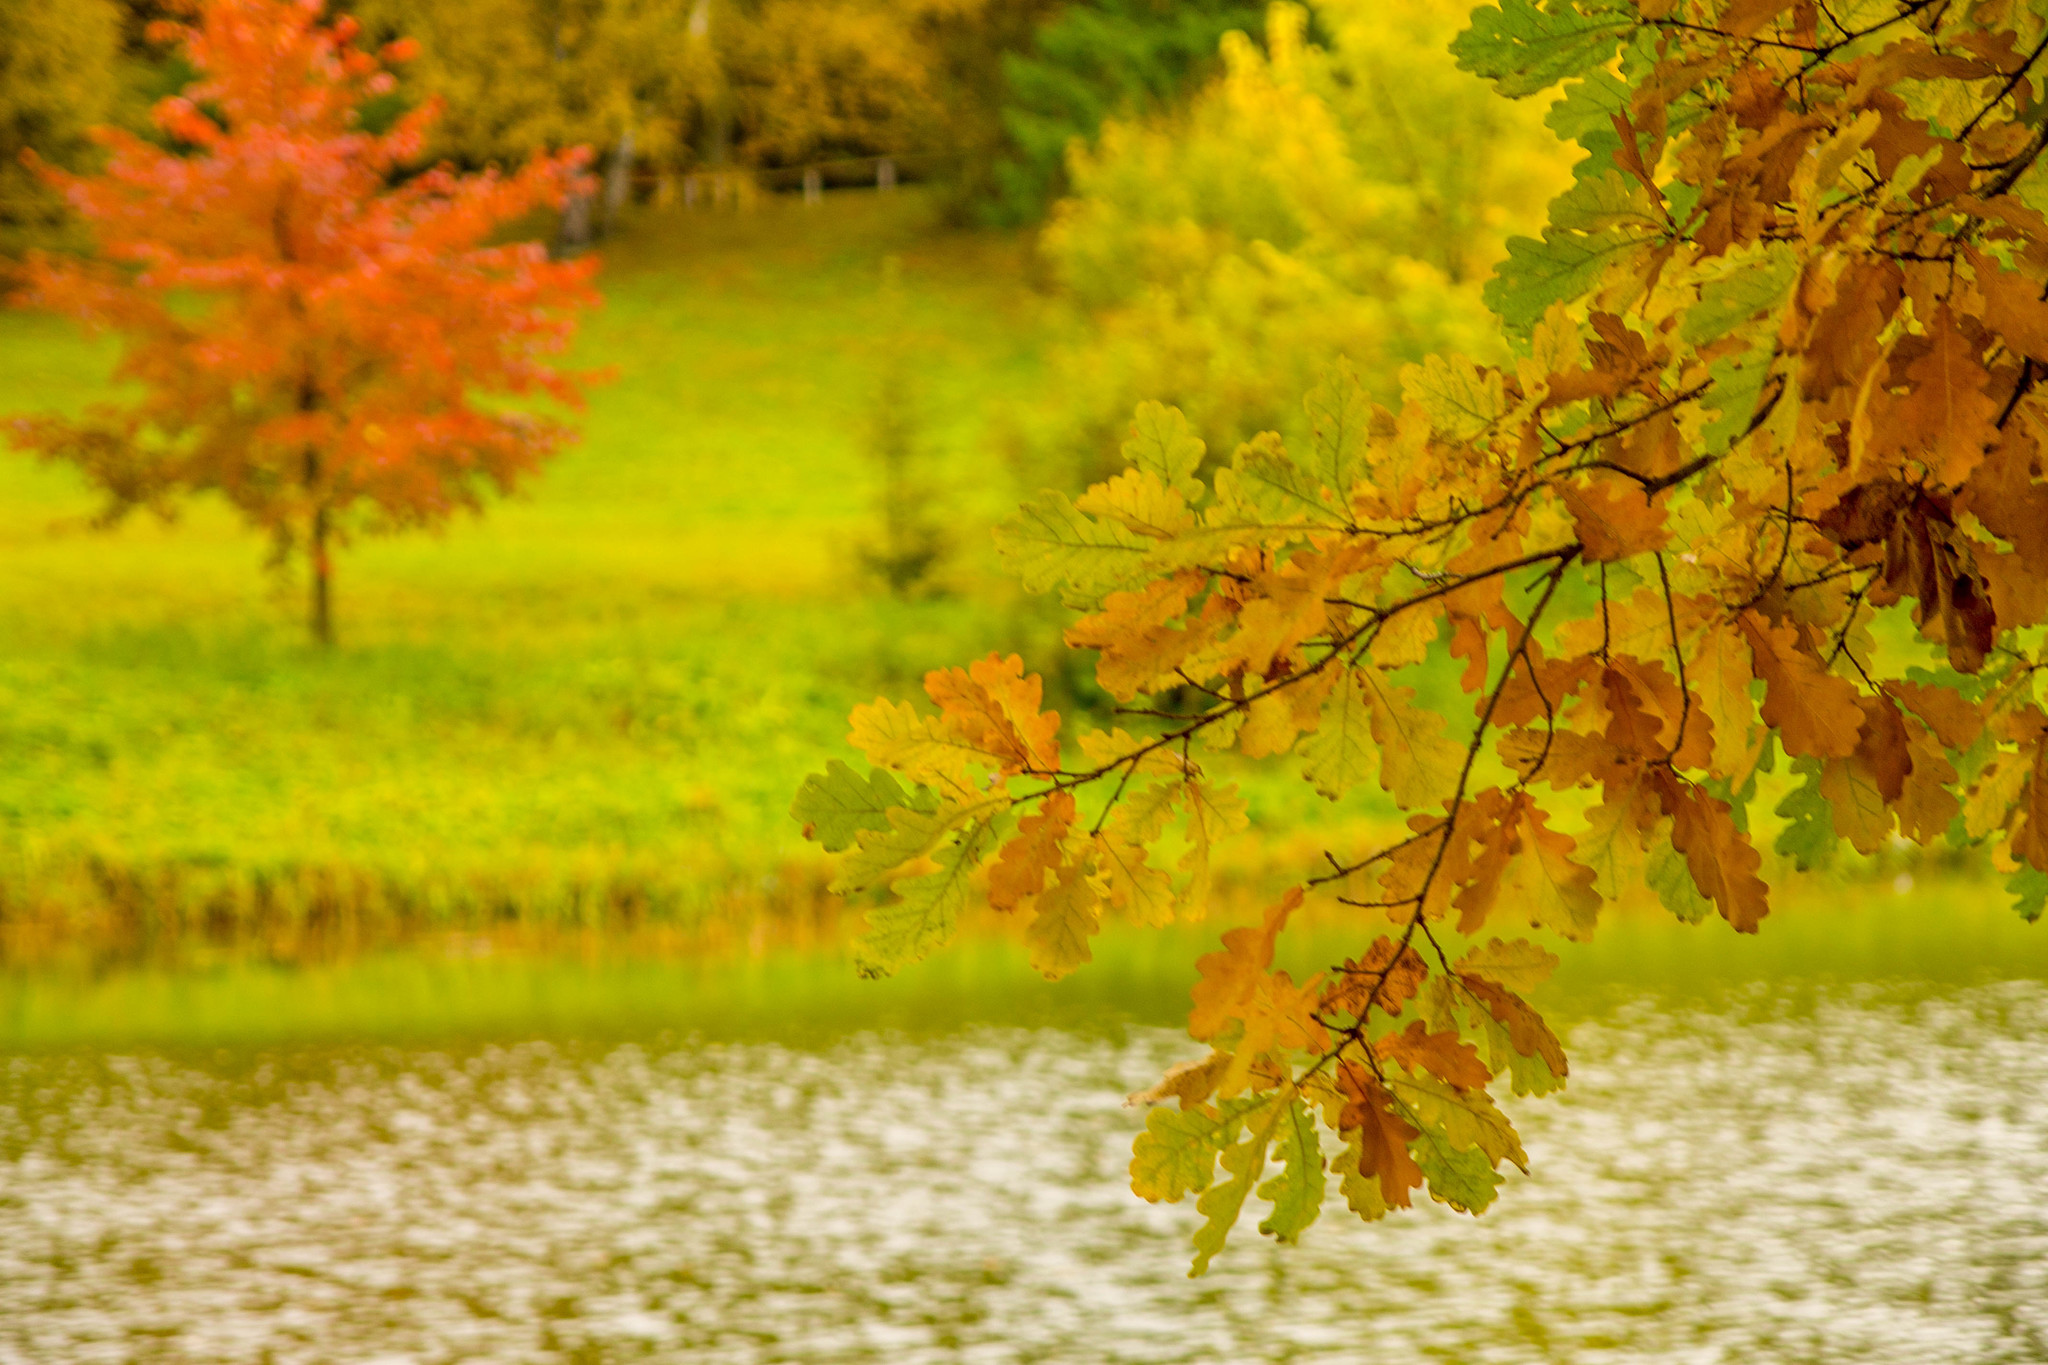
{"type": "Point", "coordinates": [1763, 487]}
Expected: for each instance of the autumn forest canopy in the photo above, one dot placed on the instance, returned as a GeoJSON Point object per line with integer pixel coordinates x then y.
{"type": "Point", "coordinates": [1515, 467]}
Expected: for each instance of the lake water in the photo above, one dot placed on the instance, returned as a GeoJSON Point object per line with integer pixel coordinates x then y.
{"type": "Point", "coordinates": [1853, 1173]}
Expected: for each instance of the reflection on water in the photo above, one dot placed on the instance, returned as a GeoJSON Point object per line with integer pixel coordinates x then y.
{"type": "Point", "coordinates": [1865, 1180]}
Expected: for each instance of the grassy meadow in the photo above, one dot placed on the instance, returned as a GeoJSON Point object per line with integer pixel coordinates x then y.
{"type": "Point", "coordinates": [578, 719]}
{"type": "Point", "coordinates": [591, 705]}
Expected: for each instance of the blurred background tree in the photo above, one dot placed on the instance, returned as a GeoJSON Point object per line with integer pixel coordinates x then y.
{"type": "Point", "coordinates": [1311, 202]}
{"type": "Point", "coordinates": [516, 77]}
{"type": "Point", "coordinates": [1088, 61]}
{"type": "Point", "coordinates": [60, 74]}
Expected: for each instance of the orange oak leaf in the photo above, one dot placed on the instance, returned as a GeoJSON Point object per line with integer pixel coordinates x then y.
{"type": "Point", "coordinates": [2030, 833]}
{"type": "Point", "coordinates": [1229, 980]}
{"type": "Point", "coordinates": [1928, 803]}
{"type": "Point", "coordinates": [1020, 869]}
{"type": "Point", "coordinates": [1946, 424]}
{"type": "Point", "coordinates": [1528, 1033]}
{"type": "Point", "coordinates": [1383, 1136]}
{"type": "Point", "coordinates": [994, 707]}
{"type": "Point", "coordinates": [1815, 713]}
{"type": "Point", "coordinates": [1955, 720]}
{"type": "Point", "coordinates": [1468, 642]}
{"type": "Point", "coordinates": [1614, 520]}
{"type": "Point", "coordinates": [1135, 632]}
{"type": "Point", "coordinates": [1386, 978]}
{"type": "Point", "coordinates": [1720, 857]}
{"type": "Point", "coordinates": [1444, 1055]}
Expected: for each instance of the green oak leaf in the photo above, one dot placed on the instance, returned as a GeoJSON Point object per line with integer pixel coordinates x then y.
{"type": "Point", "coordinates": [1667, 874]}
{"type": "Point", "coordinates": [1296, 1193]}
{"type": "Point", "coordinates": [1176, 1154]}
{"type": "Point", "coordinates": [1460, 1177]}
{"type": "Point", "coordinates": [837, 804]}
{"type": "Point", "coordinates": [1164, 442]}
{"type": "Point", "coordinates": [1525, 47]}
{"type": "Point", "coordinates": [2029, 888]}
{"type": "Point", "coordinates": [1221, 1203]}
{"type": "Point", "coordinates": [1751, 286]}
{"type": "Point", "coordinates": [1562, 266]}
{"type": "Point", "coordinates": [1053, 544]}
{"type": "Point", "coordinates": [922, 917]}
{"type": "Point", "coordinates": [1808, 838]}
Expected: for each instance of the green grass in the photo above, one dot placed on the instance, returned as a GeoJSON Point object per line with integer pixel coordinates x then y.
{"type": "Point", "coordinates": [594, 701]}
{"type": "Point", "coordinates": [608, 686]}
{"type": "Point", "coordinates": [588, 708]}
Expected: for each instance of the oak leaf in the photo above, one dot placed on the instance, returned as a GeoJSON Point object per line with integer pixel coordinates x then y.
{"type": "Point", "coordinates": [1614, 520]}
{"type": "Point", "coordinates": [1722, 860]}
{"type": "Point", "coordinates": [1025, 861]}
{"type": "Point", "coordinates": [1189, 1082]}
{"type": "Point", "coordinates": [1176, 1153]}
{"type": "Point", "coordinates": [1230, 979]}
{"type": "Point", "coordinates": [1381, 1135]}
{"type": "Point", "coordinates": [1069, 914]}
{"type": "Point", "coordinates": [1815, 713]}
{"type": "Point", "coordinates": [1444, 1055]}
{"type": "Point", "coordinates": [1419, 761]}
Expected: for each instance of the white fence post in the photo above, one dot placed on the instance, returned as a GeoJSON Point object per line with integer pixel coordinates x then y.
{"type": "Point", "coordinates": [885, 173]}
{"type": "Point", "coordinates": [814, 185]}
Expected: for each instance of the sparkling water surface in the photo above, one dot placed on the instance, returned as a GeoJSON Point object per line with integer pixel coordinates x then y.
{"type": "Point", "coordinates": [1861, 1177]}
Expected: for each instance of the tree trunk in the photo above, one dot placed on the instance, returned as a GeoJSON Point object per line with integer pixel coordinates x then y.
{"type": "Point", "coordinates": [618, 181]}
{"type": "Point", "coordinates": [320, 567]}
{"type": "Point", "coordinates": [574, 234]}
{"type": "Point", "coordinates": [323, 607]}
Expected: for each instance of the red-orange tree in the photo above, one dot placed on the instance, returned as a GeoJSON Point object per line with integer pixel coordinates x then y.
{"type": "Point", "coordinates": [309, 327]}
{"type": "Point", "coordinates": [1763, 488]}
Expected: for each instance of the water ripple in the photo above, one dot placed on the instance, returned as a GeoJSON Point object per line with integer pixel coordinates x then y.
{"type": "Point", "coordinates": [1864, 1179]}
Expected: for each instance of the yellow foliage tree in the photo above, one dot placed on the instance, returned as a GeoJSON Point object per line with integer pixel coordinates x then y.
{"type": "Point", "coordinates": [58, 77]}
{"type": "Point", "coordinates": [1313, 202]}
{"type": "Point", "coordinates": [812, 78]}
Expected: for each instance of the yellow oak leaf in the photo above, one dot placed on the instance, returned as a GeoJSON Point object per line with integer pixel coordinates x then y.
{"type": "Point", "coordinates": [1135, 632]}
{"type": "Point", "coordinates": [1543, 882]}
{"type": "Point", "coordinates": [1138, 501]}
{"type": "Point", "coordinates": [1719, 672]}
{"type": "Point", "coordinates": [1520, 965]}
{"type": "Point", "coordinates": [1341, 754]}
{"type": "Point", "coordinates": [1860, 813]}
{"type": "Point", "coordinates": [1994, 794]}
{"type": "Point", "coordinates": [1419, 761]}
{"type": "Point", "coordinates": [1069, 914]}
{"type": "Point", "coordinates": [1189, 1082]}
{"type": "Point", "coordinates": [893, 735]}
{"type": "Point", "coordinates": [1404, 639]}
{"type": "Point", "coordinates": [1130, 884]}
{"type": "Point", "coordinates": [1269, 726]}
{"type": "Point", "coordinates": [1213, 813]}
{"type": "Point", "coordinates": [1105, 749]}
